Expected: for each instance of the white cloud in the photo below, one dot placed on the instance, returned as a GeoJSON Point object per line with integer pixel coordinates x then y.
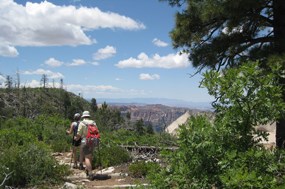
{"type": "Point", "coordinates": [142, 61]}
{"type": "Point", "coordinates": [50, 74]}
{"type": "Point", "coordinates": [92, 90]}
{"type": "Point", "coordinates": [95, 63]}
{"type": "Point", "coordinates": [77, 62]}
{"type": "Point", "coordinates": [105, 53]}
{"type": "Point", "coordinates": [2, 81]}
{"type": "Point", "coordinates": [159, 43]}
{"type": "Point", "coordinates": [35, 84]}
{"type": "Point", "coordinates": [103, 91]}
{"type": "Point", "coordinates": [47, 24]}
{"type": "Point", "coordinates": [146, 76]}
{"type": "Point", "coordinates": [52, 62]}
{"type": "Point", "coordinates": [8, 50]}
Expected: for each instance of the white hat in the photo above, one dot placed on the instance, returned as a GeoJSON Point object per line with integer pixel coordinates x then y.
{"type": "Point", "coordinates": [85, 114]}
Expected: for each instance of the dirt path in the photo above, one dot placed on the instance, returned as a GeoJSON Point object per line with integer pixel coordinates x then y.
{"type": "Point", "coordinates": [113, 177]}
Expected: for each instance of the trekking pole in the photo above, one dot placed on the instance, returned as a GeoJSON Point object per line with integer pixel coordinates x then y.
{"type": "Point", "coordinates": [100, 163]}
{"type": "Point", "coordinates": [71, 158]}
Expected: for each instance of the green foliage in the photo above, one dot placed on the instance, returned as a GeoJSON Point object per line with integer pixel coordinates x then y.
{"type": "Point", "coordinates": [255, 168]}
{"type": "Point", "coordinates": [49, 129]}
{"type": "Point", "coordinates": [30, 164]}
{"type": "Point", "coordinates": [247, 96]}
{"type": "Point", "coordinates": [94, 106]}
{"type": "Point", "coordinates": [139, 127]}
{"type": "Point", "coordinates": [218, 33]}
{"type": "Point", "coordinates": [194, 163]}
{"type": "Point", "coordinates": [127, 137]}
{"type": "Point", "coordinates": [12, 137]}
{"type": "Point", "coordinates": [28, 160]}
{"type": "Point", "coordinates": [140, 169]}
{"type": "Point", "coordinates": [108, 119]}
{"type": "Point", "coordinates": [32, 102]}
{"type": "Point", "coordinates": [106, 156]}
{"type": "Point", "coordinates": [224, 153]}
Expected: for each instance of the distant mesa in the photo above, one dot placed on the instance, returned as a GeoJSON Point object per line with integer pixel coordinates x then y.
{"type": "Point", "coordinates": [172, 128]}
{"type": "Point", "coordinates": [162, 101]}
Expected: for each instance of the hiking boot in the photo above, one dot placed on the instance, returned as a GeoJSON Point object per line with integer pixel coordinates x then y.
{"type": "Point", "coordinates": [91, 177]}
{"type": "Point", "coordinates": [81, 167]}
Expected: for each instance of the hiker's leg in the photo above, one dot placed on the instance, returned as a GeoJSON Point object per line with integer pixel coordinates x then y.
{"type": "Point", "coordinates": [74, 156]}
{"type": "Point", "coordinates": [81, 158]}
{"type": "Point", "coordinates": [81, 155]}
{"type": "Point", "coordinates": [88, 162]}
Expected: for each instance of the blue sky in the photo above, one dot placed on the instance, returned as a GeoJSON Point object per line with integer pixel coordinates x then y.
{"type": "Point", "coordinates": [100, 48]}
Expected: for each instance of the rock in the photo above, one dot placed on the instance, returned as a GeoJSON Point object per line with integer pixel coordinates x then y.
{"type": "Point", "coordinates": [106, 171]}
{"type": "Point", "coordinates": [68, 185]}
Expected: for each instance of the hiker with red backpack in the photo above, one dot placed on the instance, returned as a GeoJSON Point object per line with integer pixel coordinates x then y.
{"type": "Point", "coordinates": [76, 143]}
{"type": "Point", "coordinates": [89, 134]}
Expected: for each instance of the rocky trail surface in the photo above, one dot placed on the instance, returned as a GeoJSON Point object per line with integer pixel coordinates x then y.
{"type": "Point", "coordinates": [111, 177]}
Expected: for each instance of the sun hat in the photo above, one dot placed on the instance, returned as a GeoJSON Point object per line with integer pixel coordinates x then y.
{"type": "Point", "coordinates": [85, 114]}
{"type": "Point", "coordinates": [77, 116]}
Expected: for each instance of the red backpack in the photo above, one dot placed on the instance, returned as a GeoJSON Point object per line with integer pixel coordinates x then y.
{"type": "Point", "coordinates": [93, 136]}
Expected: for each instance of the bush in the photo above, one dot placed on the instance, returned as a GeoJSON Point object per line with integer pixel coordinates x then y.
{"type": "Point", "coordinates": [140, 169]}
{"type": "Point", "coordinates": [11, 137]}
{"type": "Point", "coordinates": [50, 129]}
{"type": "Point", "coordinates": [224, 153]}
{"type": "Point", "coordinates": [255, 168]}
{"type": "Point", "coordinates": [106, 156]}
{"type": "Point", "coordinates": [30, 164]}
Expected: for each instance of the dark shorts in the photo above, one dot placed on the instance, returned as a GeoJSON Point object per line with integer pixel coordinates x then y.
{"type": "Point", "coordinates": [87, 149]}
{"type": "Point", "coordinates": [76, 142]}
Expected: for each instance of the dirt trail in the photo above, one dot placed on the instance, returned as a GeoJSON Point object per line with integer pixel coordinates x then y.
{"type": "Point", "coordinates": [118, 175]}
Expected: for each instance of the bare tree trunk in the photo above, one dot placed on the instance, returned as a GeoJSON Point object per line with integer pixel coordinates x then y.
{"type": "Point", "coordinates": [279, 35]}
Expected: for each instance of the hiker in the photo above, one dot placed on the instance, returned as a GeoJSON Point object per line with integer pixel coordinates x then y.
{"type": "Point", "coordinates": [76, 143]}
{"type": "Point", "coordinates": [88, 148]}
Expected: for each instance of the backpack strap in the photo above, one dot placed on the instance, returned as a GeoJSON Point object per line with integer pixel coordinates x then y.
{"type": "Point", "coordinates": [75, 128]}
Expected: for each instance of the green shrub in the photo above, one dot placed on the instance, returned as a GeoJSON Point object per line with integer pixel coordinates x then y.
{"type": "Point", "coordinates": [255, 168]}
{"type": "Point", "coordinates": [106, 156]}
{"type": "Point", "coordinates": [12, 136]}
{"type": "Point", "coordinates": [140, 169]}
{"type": "Point", "coordinates": [50, 129]}
{"type": "Point", "coordinates": [224, 153]}
{"type": "Point", "coordinates": [30, 164]}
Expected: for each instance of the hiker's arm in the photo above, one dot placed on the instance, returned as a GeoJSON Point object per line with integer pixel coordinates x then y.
{"type": "Point", "coordinates": [79, 132]}
{"type": "Point", "coordinates": [70, 129]}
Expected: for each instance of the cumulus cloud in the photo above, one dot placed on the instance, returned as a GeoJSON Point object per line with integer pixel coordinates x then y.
{"type": "Point", "coordinates": [103, 91]}
{"type": "Point", "coordinates": [50, 74]}
{"type": "Point", "coordinates": [47, 24]}
{"type": "Point", "coordinates": [105, 53]}
{"type": "Point", "coordinates": [144, 61]}
{"type": "Point", "coordinates": [52, 62]}
{"type": "Point", "coordinates": [159, 43]}
{"type": "Point", "coordinates": [8, 50]}
{"type": "Point", "coordinates": [36, 84]}
{"type": "Point", "coordinates": [77, 62]}
{"type": "Point", "coordinates": [146, 76]}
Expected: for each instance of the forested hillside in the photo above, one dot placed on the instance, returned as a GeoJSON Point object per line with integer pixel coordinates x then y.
{"type": "Point", "coordinates": [31, 102]}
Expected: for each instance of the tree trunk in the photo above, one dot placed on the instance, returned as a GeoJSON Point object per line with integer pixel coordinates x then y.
{"type": "Point", "coordinates": [279, 46]}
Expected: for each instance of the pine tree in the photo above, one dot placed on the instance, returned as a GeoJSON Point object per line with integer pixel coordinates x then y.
{"type": "Point", "coordinates": [220, 34]}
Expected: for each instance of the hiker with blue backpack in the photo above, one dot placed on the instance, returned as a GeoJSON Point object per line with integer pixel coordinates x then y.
{"type": "Point", "coordinates": [76, 143]}
{"type": "Point", "coordinates": [89, 135]}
